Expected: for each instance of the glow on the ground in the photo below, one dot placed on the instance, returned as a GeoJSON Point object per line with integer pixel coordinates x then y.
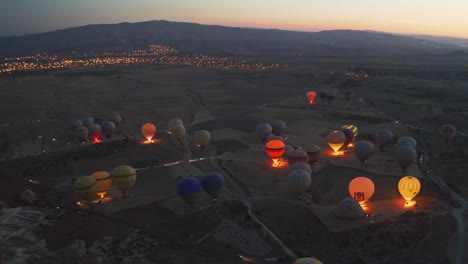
{"type": "Point", "coordinates": [410, 204]}
{"type": "Point", "coordinates": [152, 141]}
{"type": "Point", "coordinates": [279, 163]}
{"type": "Point", "coordinates": [338, 153]}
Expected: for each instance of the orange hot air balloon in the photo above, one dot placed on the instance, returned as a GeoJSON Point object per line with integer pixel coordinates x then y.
{"type": "Point", "coordinates": [275, 149]}
{"type": "Point", "coordinates": [148, 130]}
{"type": "Point", "coordinates": [361, 189]}
{"type": "Point", "coordinates": [311, 96]}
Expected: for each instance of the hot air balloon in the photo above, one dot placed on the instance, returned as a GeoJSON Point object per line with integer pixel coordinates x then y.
{"type": "Point", "coordinates": [263, 130]}
{"type": "Point", "coordinates": [174, 122]}
{"type": "Point", "coordinates": [95, 132]}
{"type": "Point", "coordinates": [383, 138]}
{"type": "Point", "coordinates": [82, 133]}
{"type": "Point", "coordinates": [87, 121]}
{"type": "Point", "coordinates": [201, 138]}
{"type": "Point", "coordinates": [354, 131]}
{"type": "Point", "coordinates": [278, 127]}
{"type": "Point", "coordinates": [448, 132]}
{"type": "Point", "coordinates": [212, 183]}
{"type": "Point", "coordinates": [287, 148]}
{"type": "Point", "coordinates": [409, 187]}
{"type": "Point", "coordinates": [297, 156]}
{"type": "Point", "coordinates": [189, 188]}
{"type": "Point", "coordinates": [405, 155]}
{"type": "Point", "coordinates": [123, 177]}
{"type": "Point", "coordinates": [348, 94]}
{"type": "Point", "coordinates": [313, 151]}
{"type": "Point", "coordinates": [299, 180]}
{"type": "Point", "coordinates": [76, 124]}
{"type": "Point", "coordinates": [307, 261]}
{"type": "Point", "coordinates": [349, 136]}
{"type": "Point", "coordinates": [108, 128]}
{"type": "Point", "coordinates": [103, 182]}
{"type": "Point", "coordinates": [275, 149]}
{"type": "Point", "coordinates": [410, 140]}
{"type": "Point", "coordinates": [178, 132]}
{"type": "Point", "coordinates": [117, 119]}
{"type": "Point", "coordinates": [361, 189]}
{"type": "Point", "coordinates": [364, 150]}
{"type": "Point", "coordinates": [98, 121]}
{"type": "Point", "coordinates": [311, 96]}
{"type": "Point", "coordinates": [335, 140]}
{"type": "Point", "coordinates": [301, 166]}
{"type": "Point", "coordinates": [148, 130]}
{"type": "Point", "coordinates": [85, 188]}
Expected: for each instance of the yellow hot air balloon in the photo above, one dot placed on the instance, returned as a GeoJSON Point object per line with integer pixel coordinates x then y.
{"type": "Point", "coordinates": [201, 138]}
{"type": "Point", "coordinates": [178, 132]}
{"type": "Point", "coordinates": [353, 128]}
{"type": "Point", "coordinates": [85, 188]}
{"type": "Point", "coordinates": [174, 122]}
{"type": "Point", "coordinates": [409, 187]}
{"type": "Point", "coordinates": [335, 140]}
{"type": "Point", "coordinates": [103, 182]}
{"type": "Point", "coordinates": [148, 130]}
{"type": "Point", "coordinates": [361, 189]}
{"type": "Point", "coordinates": [123, 177]}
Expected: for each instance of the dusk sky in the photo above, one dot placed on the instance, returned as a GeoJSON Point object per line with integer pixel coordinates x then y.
{"type": "Point", "coordinates": [435, 17]}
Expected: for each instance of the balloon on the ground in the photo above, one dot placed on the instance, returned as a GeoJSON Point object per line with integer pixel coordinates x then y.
{"type": "Point", "coordinates": [299, 180]}
{"type": "Point", "coordinates": [149, 131]}
{"type": "Point", "coordinates": [263, 130]}
{"type": "Point", "coordinates": [108, 128]}
{"type": "Point", "coordinates": [349, 208]}
{"type": "Point", "coordinates": [87, 121]}
{"type": "Point", "coordinates": [278, 127]}
{"type": "Point", "coordinates": [383, 138]}
{"type": "Point", "coordinates": [76, 124]}
{"type": "Point", "coordinates": [448, 132]}
{"type": "Point", "coordinates": [364, 150]}
{"type": "Point", "coordinates": [410, 140]}
{"type": "Point", "coordinates": [174, 122]}
{"type": "Point", "coordinates": [275, 149]}
{"type": "Point", "coordinates": [353, 128]}
{"type": "Point", "coordinates": [82, 133]}
{"type": "Point", "coordinates": [336, 139]}
{"type": "Point", "coordinates": [297, 156]}
{"type": "Point", "coordinates": [178, 131]}
{"type": "Point", "coordinates": [311, 96]}
{"type": "Point", "coordinates": [409, 187]}
{"type": "Point", "coordinates": [405, 156]}
{"type": "Point", "coordinates": [201, 138]}
{"type": "Point", "coordinates": [213, 183]}
{"type": "Point", "coordinates": [189, 189]}
{"type": "Point", "coordinates": [288, 148]}
{"type": "Point", "coordinates": [103, 182]}
{"type": "Point", "coordinates": [313, 151]}
{"type": "Point", "coordinates": [95, 131]}
{"type": "Point", "coordinates": [301, 166]}
{"type": "Point", "coordinates": [85, 188]}
{"type": "Point", "coordinates": [307, 261]}
{"type": "Point", "coordinates": [361, 189]}
{"type": "Point", "coordinates": [123, 177]}
{"type": "Point", "coordinates": [117, 119]}
{"type": "Point", "coordinates": [349, 136]}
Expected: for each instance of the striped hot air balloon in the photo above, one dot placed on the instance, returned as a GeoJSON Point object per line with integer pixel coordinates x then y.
{"type": "Point", "coordinates": [299, 180]}
{"type": "Point", "coordinates": [103, 182]}
{"type": "Point", "coordinates": [351, 132]}
{"type": "Point", "coordinates": [123, 178]}
{"type": "Point", "coordinates": [409, 187]}
{"type": "Point", "coordinates": [275, 149]}
{"type": "Point", "coordinates": [85, 188]}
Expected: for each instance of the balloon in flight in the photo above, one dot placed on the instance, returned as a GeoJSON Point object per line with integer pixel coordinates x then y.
{"type": "Point", "coordinates": [123, 177]}
{"type": "Point", "coordinates": [311, 96]}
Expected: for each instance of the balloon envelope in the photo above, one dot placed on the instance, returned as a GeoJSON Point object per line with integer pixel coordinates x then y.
{"type": "Point", "coordinates": [336, 139]}
{"type": "Point", "coordinates": [201, 138]}
{"type": "Point", "coordinates": [300, 166]}
{"type": "Point", "coordinates": [405, 155]}
{"type": "Point", "coordinates": [189, 189]}
{"type": "Point", "coordinates": [85, 188]}
{"type": "Point", "coordinates": [364, 150]}
{"type": "Point", "coordinates": [313, 151]}
{"type": "Point", "coordinates": [275, 148]}
{"type": "Point", "coordinates": [311, 97]}
{"type": "Point", "coordinates": [94, 131]}
{"type": "Point", "coordinates": [383, 138]}
{"type": "Point", "coordinates": [263, 130]}
{"type": "Point", "coordinates": [148, 130]}
{"type": "Point", "coordinates": [82, 133]}
{"type": "Point", "coordinates": [108, 128]}
{"type": "Point", "coordinates": [409, 187]}
{"type": "Point", "coordinates": [349, 136]}
{"type": "Point", "coordinates": [212, 183]}
{"type": "Point", "coordinates": [299, 180]}
{"type": "Point", "coordinates": [278, 127]}
{"type": "Point", "coordinates": [123, 177]}
{"type": "Point", "coordinates": [76, 124]}
{"type": "Point", "coordinates": [353, 128]}
{"type": "Point", "coordinates": [410, 140]}
{"type": "Point", "coordinates": [117, 119]}
{"type": "Point", "coordinates": [361, 189]}
{"type": "Point", "coordinates": [87, 121]}
{"type": "Point", "coordinates": [178, 131]}
{"type": "Point", "coordinates": [174, 122]}
{"type": "Point", "coordinates": [103, 182]}
{"type": "Point", "coordinates": [297, 156]}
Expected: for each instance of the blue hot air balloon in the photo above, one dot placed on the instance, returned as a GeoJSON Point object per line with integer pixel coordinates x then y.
{"type": "Point", "coordinates": [212, 183]}
{"type": "Point", "coordinates": [189, 188]}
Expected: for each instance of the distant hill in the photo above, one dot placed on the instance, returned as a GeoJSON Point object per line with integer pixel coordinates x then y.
{"type": "Point", "coordinates": [461, 42]}
{"type": "Point", "coordinates": [210, 38]}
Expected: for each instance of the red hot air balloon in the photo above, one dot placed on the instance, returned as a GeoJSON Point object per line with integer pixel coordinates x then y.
{"type": "Point", "coordinates": [311, 96]}
{"type": "Point", "coordinates": [275, 149]}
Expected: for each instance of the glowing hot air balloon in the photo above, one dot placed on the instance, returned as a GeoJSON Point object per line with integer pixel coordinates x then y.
{"type": "Point", "coordinates": [311, 96]}
{"type": "Point", "coordinates": [201, 138]}
{"type": "Point", "coordinates": [123, 177]}
{"type": "Point", "coordinates": [409, 187]}
{"type": "Point", "coordinates": [307, 261]}
{"type": "Point", "coordinates": [95, 132]}
{"type": "Point", "coordinates": [361, 189]}
{"type": "Point", "coordinates": [275, 149]}
{"type": "Point", "coordinates": [335, 140]}
{"type": "Point", "coordinates": [85, 188]}
{"type": "Point", "coordinates": [212, 183]}
{"type": "Point", "coordinates": [299, 180]}
{"type": "Point", "coordinates": [148, 130]}
{"type": "Point", "coordinates": [189, 189]}
{"type": "Point", "coordinates": [103, 182]}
